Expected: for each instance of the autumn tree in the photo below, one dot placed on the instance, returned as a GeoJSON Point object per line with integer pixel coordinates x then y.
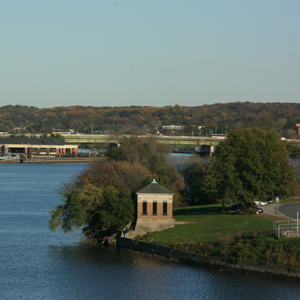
{"type": "Point", "coordinates": [119, 174]}
{"type": "Point", "coordinates": [250, 164]}
{"type": "Point", "coordinates": [153, 156]}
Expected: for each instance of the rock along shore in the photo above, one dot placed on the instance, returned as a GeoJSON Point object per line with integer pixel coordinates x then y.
{"type": "Point", "coordinates": [202, 260]}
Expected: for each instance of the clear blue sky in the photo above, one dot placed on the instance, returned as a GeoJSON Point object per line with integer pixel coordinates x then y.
{"type": "Point", "coordinates": [149, 53]}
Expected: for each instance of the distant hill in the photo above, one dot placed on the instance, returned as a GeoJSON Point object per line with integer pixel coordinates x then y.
{"type": "Point", "coordinates": [217, 118]}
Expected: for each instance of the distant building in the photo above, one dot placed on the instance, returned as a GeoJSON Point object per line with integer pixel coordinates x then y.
{"type": "Point", "coordinates": [176, 127]}
{"type": "Point", "coordinates": [219, 136]}
{"type": "Point", "coordinates": [37, 146]}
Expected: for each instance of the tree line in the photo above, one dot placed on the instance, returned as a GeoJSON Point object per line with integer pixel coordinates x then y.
{"type": "Point", "coordinates": [216, 118]}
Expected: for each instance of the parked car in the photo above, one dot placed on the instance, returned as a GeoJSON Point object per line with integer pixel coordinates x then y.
{"type": "Point", "coordinates": [236, 208]}
{"type": "Point", "coordinates": [270, 200]}
{"type": "Point", "coordinates": [260, 203]}
{"type": "Point", "coordinates": [259, 210]}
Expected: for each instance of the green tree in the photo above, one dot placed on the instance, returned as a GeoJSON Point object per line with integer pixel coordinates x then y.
{"type": "Point", "coordinates": [250, 164]}
{"type": "Point", "coordinates": [193, 171]}
{"type": "Point", "coordinates": [93, 209]}
{"type": "Point", "coordinates": [294, 150]}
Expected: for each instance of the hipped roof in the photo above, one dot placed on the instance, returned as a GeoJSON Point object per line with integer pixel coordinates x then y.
{"type": "Point", "coordinates": [154, 188]}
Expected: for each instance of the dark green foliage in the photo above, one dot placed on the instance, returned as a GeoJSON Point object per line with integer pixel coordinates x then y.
{"type": "Point", "coordinates": [117, 209]}
{"type": "Point", "coordinates": [252, 164]}
{"type": "Point", "coordinates": [249, 247]}
{"type": "Point", "coordinates": [294, 150]}
{"type": "Point", "coordinates": [94, 209]}
{"type": "Point", "coordinates": [193, 173]}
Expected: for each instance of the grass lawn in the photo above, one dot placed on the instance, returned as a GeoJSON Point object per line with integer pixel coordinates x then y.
{"type": "Point", "coordinates": [206, 224]}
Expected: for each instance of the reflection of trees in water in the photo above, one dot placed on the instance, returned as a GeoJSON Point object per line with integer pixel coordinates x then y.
{"type": "Point", "coordinates": [104, 257]}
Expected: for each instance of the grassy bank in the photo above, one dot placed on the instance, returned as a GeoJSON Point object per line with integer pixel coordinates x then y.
{"type": "Point", "coordinates": [206, 224]}
{"type": "Point", "coordinates": [206, 230]}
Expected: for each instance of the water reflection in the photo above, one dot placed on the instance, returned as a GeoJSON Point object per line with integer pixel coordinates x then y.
{"type": "Point", "coordinates": [130, 275]}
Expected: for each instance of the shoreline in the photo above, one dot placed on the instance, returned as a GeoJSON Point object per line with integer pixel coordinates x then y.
{"type": "Point", "coordinates": [46, 160]}
{"type": "Point", "coordinates": [208, 261]}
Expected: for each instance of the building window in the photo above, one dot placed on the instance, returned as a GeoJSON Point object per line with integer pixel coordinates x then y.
{"type": "Point", "coordinates": [165, 208]}
{"type": "Point", "coordinates": [144, 208]}
{"type": "Point", "coordinates": [154, 208]}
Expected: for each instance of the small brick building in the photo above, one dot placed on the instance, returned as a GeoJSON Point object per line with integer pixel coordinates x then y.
{"type": "Point", "coordinates": [154, 209]}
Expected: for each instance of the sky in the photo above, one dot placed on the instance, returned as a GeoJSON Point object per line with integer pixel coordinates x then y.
{"type": "Point", "coordinates": [148, 53]}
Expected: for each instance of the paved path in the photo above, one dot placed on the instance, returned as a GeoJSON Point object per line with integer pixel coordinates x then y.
{"type": "Point", "coordinates": [285, 210]}
{"type": "Point", "coordinates": [271, 209]}
{"type": "Point", "coordinates": [289, 210]}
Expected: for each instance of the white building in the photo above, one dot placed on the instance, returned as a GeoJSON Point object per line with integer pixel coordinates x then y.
{"type": "Point", "coordinates": [176, 127]}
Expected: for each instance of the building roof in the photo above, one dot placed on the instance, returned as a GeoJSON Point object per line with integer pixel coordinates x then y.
{"type": "Point", "coordinates": [31, 141]}
{"type": "Point", "coordinates": [154, 188]}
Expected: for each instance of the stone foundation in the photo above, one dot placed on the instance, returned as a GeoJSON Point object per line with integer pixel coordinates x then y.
{"type": "Point", "coordinates": [144, 226]}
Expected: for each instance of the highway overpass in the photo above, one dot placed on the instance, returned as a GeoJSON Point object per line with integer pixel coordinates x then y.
{"type": "Point", "coordinates": [177, 143]}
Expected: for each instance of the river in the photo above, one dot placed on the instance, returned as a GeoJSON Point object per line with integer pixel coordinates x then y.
{"type": "Point", "coordinates": [36, 263]}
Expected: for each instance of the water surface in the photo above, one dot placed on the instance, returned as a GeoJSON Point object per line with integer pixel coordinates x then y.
{"type": "Point", "coordinates": [36, 263]}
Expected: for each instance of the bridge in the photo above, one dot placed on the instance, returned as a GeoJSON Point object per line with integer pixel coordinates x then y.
{"type": "Point", "coordinates": [177, 143]}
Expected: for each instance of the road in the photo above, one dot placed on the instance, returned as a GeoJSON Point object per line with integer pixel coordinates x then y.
{"type": "Point", "coordinates": [289, 210]}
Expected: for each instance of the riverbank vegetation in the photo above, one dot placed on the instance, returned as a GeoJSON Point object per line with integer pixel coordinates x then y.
{"type": "Point", "coordinates": [234, 238]}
